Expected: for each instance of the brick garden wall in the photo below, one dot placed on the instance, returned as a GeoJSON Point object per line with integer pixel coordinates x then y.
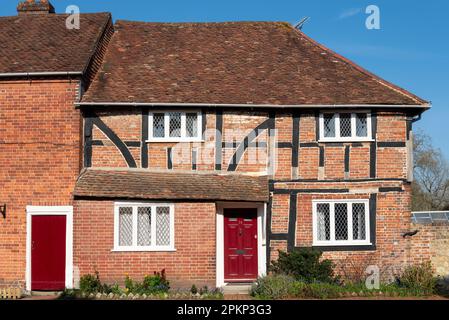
{"type": "Point", "coordinates": [431, 242]}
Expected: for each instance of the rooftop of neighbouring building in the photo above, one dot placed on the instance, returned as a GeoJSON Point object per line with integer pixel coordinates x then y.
{"type": "Point", "coordinates": [38, 40]}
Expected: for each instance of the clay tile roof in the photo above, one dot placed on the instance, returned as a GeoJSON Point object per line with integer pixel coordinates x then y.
{"type": "Point", "coordinates": [232, 63]}
{"type": "Point", "coordinates": [42, 43]}
{"type": "Point", "coordinates": [143, 184]}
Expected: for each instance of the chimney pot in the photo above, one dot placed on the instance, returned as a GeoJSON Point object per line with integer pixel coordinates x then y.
{"type": "Point", "coordinates": [35, 7]}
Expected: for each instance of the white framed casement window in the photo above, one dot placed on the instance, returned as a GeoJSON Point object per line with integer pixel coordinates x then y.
{"type": "Point", "coordinates": [345, 126]}
{"type": "Point", "coordinates": [175, 126]}
{"type": "Point", "coordinates": [144, 227]}
{"type": "Point", "coordinates": [341, 222]}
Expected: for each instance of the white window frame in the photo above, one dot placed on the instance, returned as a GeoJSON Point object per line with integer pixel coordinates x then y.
{"type": "Point", "coordinates": [332, 241]}
{"type": "Point", "coordinates": [134, 246]}
{"type": "Point", "coordinates": [354, 137]}
{"type": "Point", "coordinates": [184, 137]}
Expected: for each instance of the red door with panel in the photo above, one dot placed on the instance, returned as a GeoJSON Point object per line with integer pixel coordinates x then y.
{"type": "Point", "coordinates": [48, 252]}
{"type": "Point", "coordinates": [240, 245]}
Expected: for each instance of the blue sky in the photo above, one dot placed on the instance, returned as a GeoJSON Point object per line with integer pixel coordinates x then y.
{"type": "Point", "coordinates": [411, 49]}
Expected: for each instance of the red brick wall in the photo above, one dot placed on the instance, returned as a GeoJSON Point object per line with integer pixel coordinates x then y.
{"type": "Point", "coordinates": [39, 159]}
{"type": "Point", "coordinates": [193, 262]}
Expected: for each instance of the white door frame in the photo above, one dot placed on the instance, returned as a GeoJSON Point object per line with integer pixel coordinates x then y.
{"type": "Point", "coordinates": [51, 211]}
{"type": "Point", "coordinates": [261, 238]}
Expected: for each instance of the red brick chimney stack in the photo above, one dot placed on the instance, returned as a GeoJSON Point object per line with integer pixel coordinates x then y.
{"type": "Point", "coordinates": [35, 7]}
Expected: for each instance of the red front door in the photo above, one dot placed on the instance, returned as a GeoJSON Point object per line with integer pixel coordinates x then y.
{"type": "Point", "coordinates": [240, 245]}
{"type": "Point", "coordinates": [48, 243]}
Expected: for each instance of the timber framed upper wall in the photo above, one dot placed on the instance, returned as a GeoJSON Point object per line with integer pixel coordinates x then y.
{"type": "Point", "coordinates": [252, 64]}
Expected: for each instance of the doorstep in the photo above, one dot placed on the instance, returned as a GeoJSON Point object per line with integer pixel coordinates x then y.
{"type": "Point", "coordinates": [237, 288]}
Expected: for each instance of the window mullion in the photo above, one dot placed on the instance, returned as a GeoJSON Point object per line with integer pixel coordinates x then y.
{"type": "Point", "coordinates": [367, 223]}
{"type": "Point", "coordinates": [332, 221]}
{"type": "Point", "coordinates": [368, 126]}
{"type": "Point", "coordinates": [199, 125]}
{"type": "Point", "coordinates": [166, 125]}
{"type": "Point", "coordinates": [183, 125]}
{"type": "Point", "coordinates": [150, 124]}
{"type": "Point", "coordinates": [337, 125]}
{"type": "Point", "coordinates": [134, 230]}
{"type": "Point", "coordinates": [172, 226]}
{"type": "Point", "coordinates": [153, 226]}
{"type": "Point", "coordinates": [321, 126]}
{"type": "Point", "coordinates": [353, 126]}
{"type": "Point", "coordinates": [350, 222]}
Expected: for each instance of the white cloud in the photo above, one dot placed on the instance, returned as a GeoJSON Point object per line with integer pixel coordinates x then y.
{"type": "Point", "coordinates": [349, 13]}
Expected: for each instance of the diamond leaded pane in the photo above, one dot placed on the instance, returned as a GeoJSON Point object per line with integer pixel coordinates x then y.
{"type": "Point", "coordinates": [358, 221]}
{"type": "Point", "coordinates": [192, 124]}
{"type": "Point", "coordinates": [125, 226]}
{"type": "Point", "coordinates": [144, 226]}
{"type": "Point", "coordinates": [162, 226]}
{"type": "Point", "coordinates": [175, 124]}
{"type": "Point", "coordinates": [361, 125]}
{"type": "Point", "coordinates": [323, 221]}
{"type": "Point", "coordinates": [158, 125]}
{"type": "Point", "coordinates": [329, 125]}
{"type": "Point", "coordinates": [341, 221]}
{"type": "Point", "coordinates": [345, 125]}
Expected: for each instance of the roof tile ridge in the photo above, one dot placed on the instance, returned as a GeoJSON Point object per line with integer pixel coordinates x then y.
{"type": "Point", "coordinates": [362, 70]}
{"type": "Point", "coordinates": [100, 36]}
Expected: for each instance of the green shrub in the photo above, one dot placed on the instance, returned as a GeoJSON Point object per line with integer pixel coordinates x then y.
{"type": "Point", "coordinates": [320, 290]}
{"type": "Point", "coordinates": [276, 286]}
{"type": "Point", "coordinates": [90, 283]}
{"type": "Point", "coordinates": [304, 264]}
{"type": "Point", "coordinates": [193, 289]}
{"type": "Point", "coordinates": [155, 283]}
{"type": "Point", "coordinates": [419, 278]}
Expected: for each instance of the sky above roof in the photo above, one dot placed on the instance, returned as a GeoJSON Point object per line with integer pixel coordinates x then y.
{"type": "Point", "coordinates": [411, 48]}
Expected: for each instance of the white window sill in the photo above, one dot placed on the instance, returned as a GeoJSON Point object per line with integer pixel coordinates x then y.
{"type": "Point", "coordinates": [143, 250]}
{"type": "Point", "coordinates": [347, 140]}
{"type": "Point", "coordinates": [340, 243]}
{"type": "Point", "coordinates": [174, 140]}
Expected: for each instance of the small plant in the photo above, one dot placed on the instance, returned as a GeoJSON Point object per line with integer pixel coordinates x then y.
{"type": "Point", "coordinates": [193, 289]}
{"type": "Point", "coordinates": [276, 286]}
{"type": "Point", "coordinates": [129, 284]}
{"type": "Point", "coordinates": [90, 283]}
{"type": "Point", "coordinates": [155, 283]}
{"type": "Point", "coordinates": [419, 278]}
{"type": "Point", "coordinates": [304, 264]}
{"type": "Point", "coordinates": [204, 290]}
{"type": "Point", "coordinates": [319, 290]}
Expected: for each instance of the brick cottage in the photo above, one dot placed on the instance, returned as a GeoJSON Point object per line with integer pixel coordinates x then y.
{"type": "Point", "coordinates": [198, 148]}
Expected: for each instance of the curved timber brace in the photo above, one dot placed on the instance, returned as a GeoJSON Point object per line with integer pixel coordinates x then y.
{"type": "Point", "coordinates": [241, 149]}
{"type": "Point", "coordinates": [92, 119]}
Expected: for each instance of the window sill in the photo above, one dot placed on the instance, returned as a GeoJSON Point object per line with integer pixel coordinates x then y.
{"type": "Point", "coordinates": [358, 247]}
{"type": "Point", "coordinates": [143, 250]}
{"type": "Point", "coordinates": [346, 140]}
{"type": "Point", "coordinates": [173, 140]}
{"type": "Point", "coordinates": [341, 243]}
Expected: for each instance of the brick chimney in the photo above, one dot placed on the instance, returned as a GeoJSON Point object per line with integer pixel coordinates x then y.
{"type": "Point", "coordinates": [35, 7]}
